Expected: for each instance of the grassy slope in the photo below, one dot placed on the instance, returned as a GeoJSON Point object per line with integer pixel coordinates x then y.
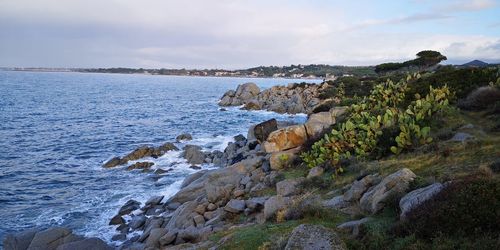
{"type": "Point", "coordinates": [442, 161]}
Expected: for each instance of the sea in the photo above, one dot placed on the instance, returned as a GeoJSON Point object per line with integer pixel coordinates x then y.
{"type": "Point", "coordinates": [57, 129]}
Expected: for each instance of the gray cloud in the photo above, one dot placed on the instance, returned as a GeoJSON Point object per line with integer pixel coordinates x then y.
{"type": "Point", "coordinates": [208, 34]}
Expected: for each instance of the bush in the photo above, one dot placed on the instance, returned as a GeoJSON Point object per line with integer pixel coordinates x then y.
{"type": "Point", "coordinates": [364, 127]}
{"type": "Point", "coordinates": [463, 208]}
{"type": "Point", "coordinates": [481, 98]}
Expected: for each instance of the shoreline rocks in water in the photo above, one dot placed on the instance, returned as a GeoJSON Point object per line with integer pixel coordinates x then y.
{"type": "Point", "coordinates": [141, 152]}
{"type": "Point", "coordinates": [291, 99]}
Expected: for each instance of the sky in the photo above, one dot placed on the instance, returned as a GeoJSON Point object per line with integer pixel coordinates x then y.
{"type": "Point", "coordinates": [235, 34]}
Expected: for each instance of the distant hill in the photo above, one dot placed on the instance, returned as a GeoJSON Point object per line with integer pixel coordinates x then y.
{"type": "Point", "coordinates": [475, 63]}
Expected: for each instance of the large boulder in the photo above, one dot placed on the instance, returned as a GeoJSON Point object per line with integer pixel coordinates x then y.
{"type": "Point", "coordinates": [193, 154]}
{"type": "Point", "coordinates": [19, 241]}
{"type": "Point", "coordinates": [214, 184]}
{"type": "Point", "coordinates": [184, 137]}
{"type": "Point", "coordinates": [288, 187]}
{"type": "Point", "coordinates": [312, 237]}
{"type": "Point", "coordinates": [286, 138]}
{"type": "Point", "coordinates": [235, 206]}
{"type": "Point", "coordinates": [243, 94]}
{"type": "Point", "coordinates": [274, 204]}
{"type": "Point", "coordinates": [262, 130]}
{"type": "Point", "coordinates": [416, 197]}
{"type": "Point", "coordinates": [390, 188]}
{"type": "Point", "coordinates": [359, 187]}
{"type": "Point", "coordinates": [318, 123]}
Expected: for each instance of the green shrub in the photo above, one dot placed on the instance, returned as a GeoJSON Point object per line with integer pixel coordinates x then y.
{"type": "Point", "coordinates": [463, 208]}
{"type": "Point", "coordinates": [367, 121]}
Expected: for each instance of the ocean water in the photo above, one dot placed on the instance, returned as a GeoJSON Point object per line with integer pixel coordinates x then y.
{"type": "Point", "coordinates": [57, 129]}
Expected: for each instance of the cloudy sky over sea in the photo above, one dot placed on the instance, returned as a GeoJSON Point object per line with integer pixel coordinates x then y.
{"type": "Point", "coordinates": [242, 33]}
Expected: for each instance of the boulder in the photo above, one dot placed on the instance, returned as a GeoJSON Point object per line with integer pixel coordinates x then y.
{"type": "Point", "coordinates": [462, 137]}
{"type": "Point", "coordinates": [154, 237]}
{"type": "Point", "coordinates": [117, 220]}
{"type": "Point", "coordinates": [155, 200]}
{"type": "Point", "coordinates": [129, 206]}
{"type": "Point", "coordinates": [168, 238]}
{"type": "Point", "coordinates": [262, 130]}
{"type": "Point", "coordinates": [312, 237]}
{"type": "Point", "coordinates": [137, 222]}
{"type": "Point", "coordinates": [288, 187]}
{"type": "Point", "coordinates": [280, 160]}
{"type": "Point", "coordinates": [183, 137]}
{"type": "Point", "coordinates": [318, 123]}
{"type": "Point", "coordinates": [359, 187]}
{"type": "Point", "coordinates": [235, 206]}
{"type": "Point", "coordinates": [416, 197]}
{"type": "Point", "coordinates": [286, 138]}
{"type": "Point", "coordinates": [353, 227]}
{"type": "Point", "coordinates": [243, 94]}
{"type": "Point", "coordinates": [315, 172]}
{"type": "Point", "coordinates": [193, 154]}
{"type": "Point", "coordinates": [183, 216]}
{"type": "Point", "coordinates": [50, 238]}
{"type": "Point", "coordinates": [19, 241]}
{"type": "Point", "coordinates": [213, 185]}
{"type": "Point", "coordinates": [192, 177]}
{"type": "Point", "coordinates": [90, 243]}
{"type": "Point", "coordinates": [275, 203]}
{"type": "Point", "coordinates": [392, 187]}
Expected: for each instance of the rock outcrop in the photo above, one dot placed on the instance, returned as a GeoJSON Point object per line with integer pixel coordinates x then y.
{"type": "Point", "coordinates": [244, 94]}
{"type": "Point", "coordinates": [145, 151]}
{"type": "Point", "coordinates": [52, 238]}
{"type": "Point", "coordinates": [292, 99]}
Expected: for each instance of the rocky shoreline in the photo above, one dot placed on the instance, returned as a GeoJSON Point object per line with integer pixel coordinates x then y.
{"type": "Point", "coordinates": [247, 188]}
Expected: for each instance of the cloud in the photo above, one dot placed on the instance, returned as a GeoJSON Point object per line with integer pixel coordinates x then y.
{"type": "Point", "coordinates": [221, 33]}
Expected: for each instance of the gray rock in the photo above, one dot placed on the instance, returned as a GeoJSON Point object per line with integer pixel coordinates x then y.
{"type": "Point", "coordinates": [315, 172]}
{"type": "Point", "coordinates": [129, 206]}
{"type": "Point", "coordinates": [359, 187]}
{"type": "Point", "coordinates": [288, 187]}
{"type": "Point", "coordinates": [262, 130]}
{"type": "Point", "coordinates": [184, 137]}
{"type": "Point", "coordinates": [416, 197]}
{"type": "Point", "coordinates": [235, 206]}
{"type": "Point", "coordinates": [90, 243]}
{"type": "Point", "coordinates": [338, 203]}
{"type": "Point", "coordinates": [193, 154]}
{"type": "Point", "coordinates": [154, 237]}
{"type": "Point", "coordinates": [117, 220]}
{"type": "Point", "coordinates": [168, 238]}
{"type": "Point", "coordinates": [192, 177]}
{"type": "Point", "coordinates": [275, 203]}
{"type": "Point", "coordinates": [19, 241]}
{"type": "Point", "coordinates": [182, 217]}
{"type": "Point", "coordinates": [391, 187]}
{"type": "Point", "coordinates": [50, 238]}
{"type": "Point", "coordinates": [137, 222]}
{"type": "Point", "coordinates": [199, 220]}
{"type": "Point", "coordinates": [155, 200]}
{"type": "Point", "coordinates": [462, 137]}
{"type": "Point", "coordinates": [353, 227]}
{"type": "Point", "coordinates": [313, 237]}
